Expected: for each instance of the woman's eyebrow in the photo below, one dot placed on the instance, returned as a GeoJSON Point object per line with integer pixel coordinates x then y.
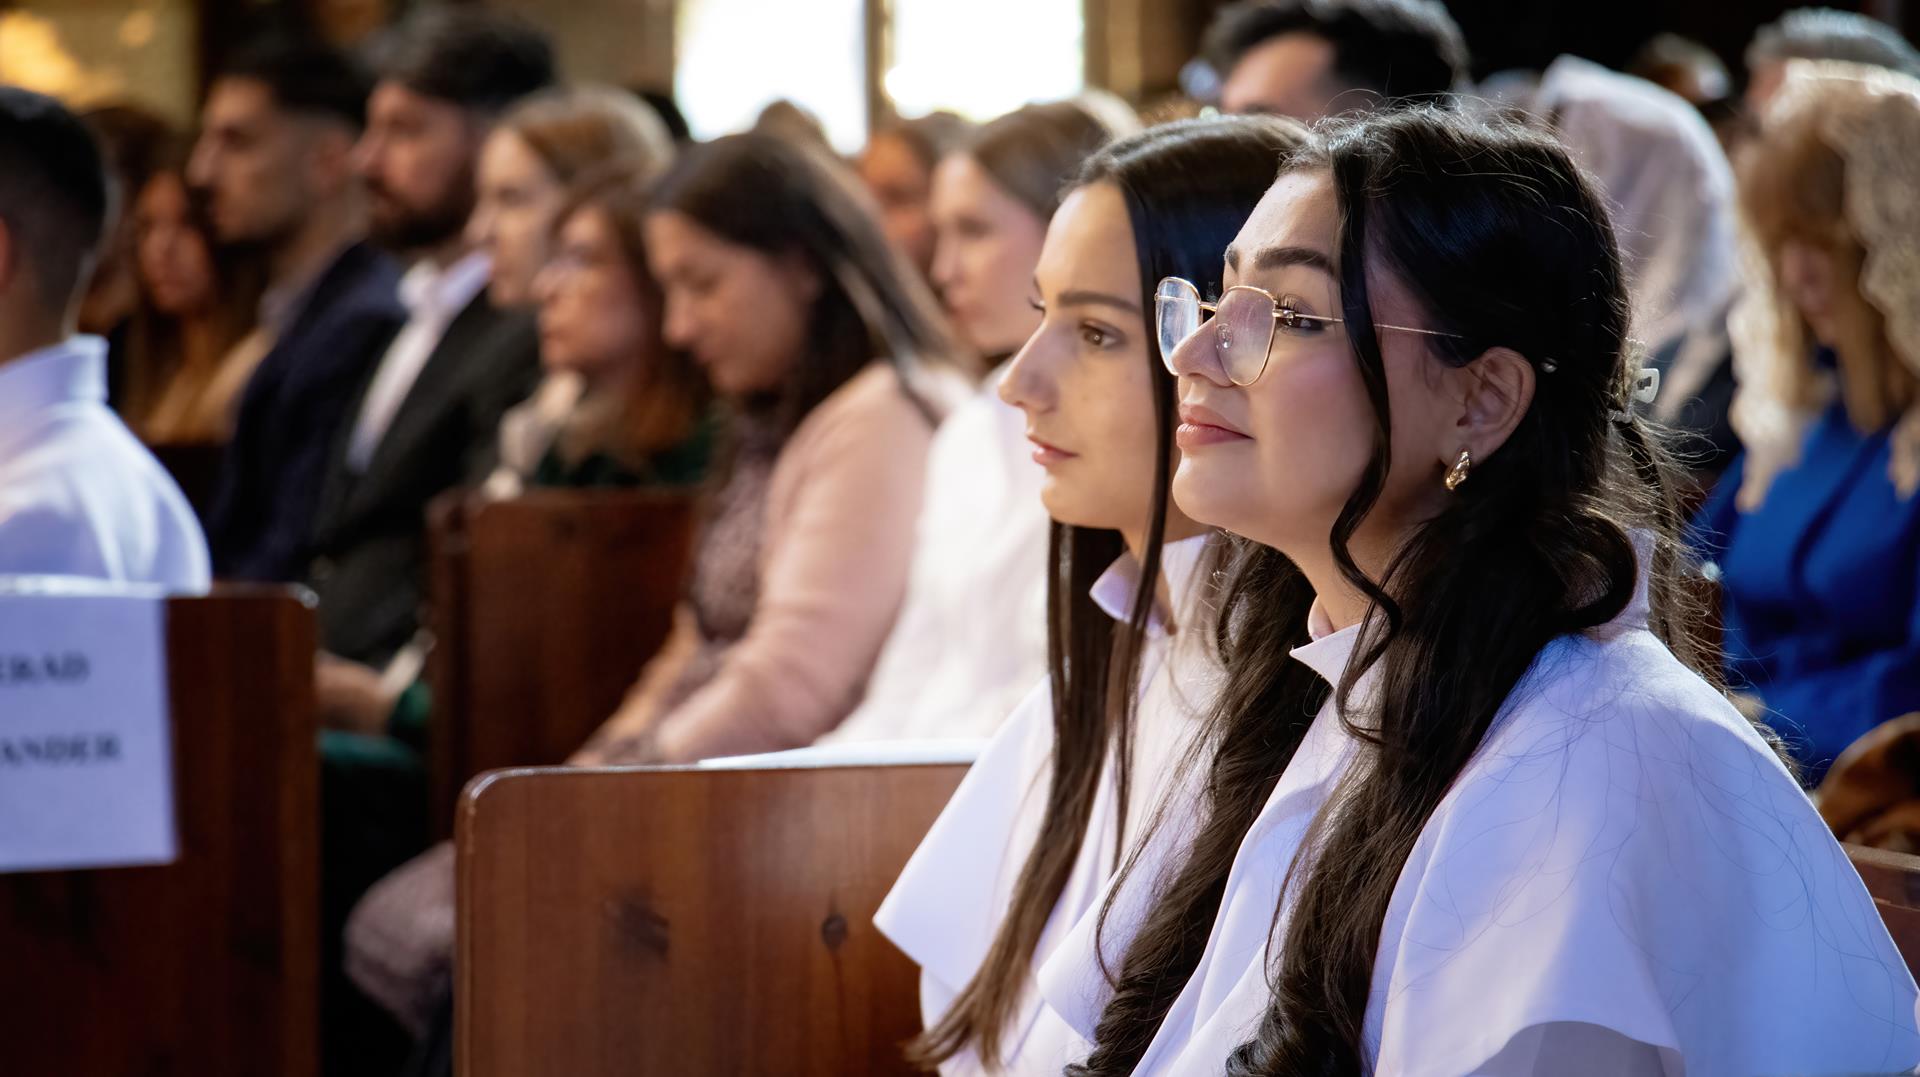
{"type": "Point", "coordinates": [1082, 297]}
{"type": "Point", "coordinates": [1282, 256]}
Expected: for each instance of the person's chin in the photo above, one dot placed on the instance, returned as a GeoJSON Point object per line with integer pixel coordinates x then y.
{"type": "Point", "coordinates": [1206, 496]}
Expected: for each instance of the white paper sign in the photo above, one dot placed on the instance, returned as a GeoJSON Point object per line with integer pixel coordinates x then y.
{"type": "Point", "coordinates": [86, 767]}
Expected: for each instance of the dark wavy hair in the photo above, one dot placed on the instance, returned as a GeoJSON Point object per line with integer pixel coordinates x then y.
{"type": "Point", "coordinates": [1504, 241]}
{"type": "Point", "coordinates": [1188, 187]}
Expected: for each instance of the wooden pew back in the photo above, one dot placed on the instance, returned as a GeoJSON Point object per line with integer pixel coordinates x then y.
{"type": "Point", "coordinates": [687, 921]}
{"type": "Point", "coordinates": [208, 966]}
{"type": "Point", "coordinates": [1894, 881]}
{"type": "Point", "coordinates": [544, 609]}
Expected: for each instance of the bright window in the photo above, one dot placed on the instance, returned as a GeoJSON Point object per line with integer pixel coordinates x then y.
{"type": "Point", "coordinates": [738, 56]}
{"type": "Point", "coordinates": [979, 58]}
{"type": "Point", "coordinates": [982, 58]}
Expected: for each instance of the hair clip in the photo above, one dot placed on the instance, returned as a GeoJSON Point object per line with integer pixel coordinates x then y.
{"type": "Point", "coordinates": [1646, 384]}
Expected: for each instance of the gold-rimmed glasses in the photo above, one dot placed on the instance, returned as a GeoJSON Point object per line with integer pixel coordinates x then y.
{"type": "Point", "coordinates": [1245, 322]}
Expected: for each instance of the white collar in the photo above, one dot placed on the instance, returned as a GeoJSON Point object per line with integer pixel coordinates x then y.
{"type": "Point", "coordinates": [1113, 592]}
{"type": "Point", "coordinates": [427, 286]}
{"type": "Point", "coordinates": [73, 370]}
{"type": "Point", "coordinates": [1331, 650]}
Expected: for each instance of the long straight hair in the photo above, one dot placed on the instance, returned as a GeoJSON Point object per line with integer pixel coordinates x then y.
{"type": "Point", "coordinates": [1502, 240]}
{"type": "Point", "coordinates": [1188, 187]}
{"type": "Point", "coordinates": [785, 199]}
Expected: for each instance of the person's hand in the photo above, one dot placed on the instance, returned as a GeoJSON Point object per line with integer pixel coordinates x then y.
{"type": "Point", "coordinates": [351, 696]}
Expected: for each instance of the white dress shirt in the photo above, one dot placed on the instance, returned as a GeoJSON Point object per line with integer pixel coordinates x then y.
{"type": "Point", "coordinates": [1623, 874]}
{"type": "Point", "coordinates": [949, 901]}
{"type": "Point", "coordinates": [79, 496]}
{"type": "Point", "coordinates": [434, 297]}
{"type": "Point", "coordinates": [972, 634]}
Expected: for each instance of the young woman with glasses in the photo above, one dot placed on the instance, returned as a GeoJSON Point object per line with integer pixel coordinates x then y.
{"type": "Point", "coordinates": [1474, 803]}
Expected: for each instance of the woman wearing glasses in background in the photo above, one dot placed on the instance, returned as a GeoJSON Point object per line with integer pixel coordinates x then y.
{"type": "Point", "coordinates": [1474, 804]}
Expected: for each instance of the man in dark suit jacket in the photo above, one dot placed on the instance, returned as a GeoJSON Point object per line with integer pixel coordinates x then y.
{"type": "Point", "coordinates": [262, 523]}
{"type": "Point", "coordinates": [370, 539]}
{"type": "Point", "coordinates": [274, 163]}
{"type": "Point", "coordinates": [428, 411]}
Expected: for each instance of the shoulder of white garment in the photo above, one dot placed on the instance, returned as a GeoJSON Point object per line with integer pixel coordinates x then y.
{"type": "Point", "coordinates": [944, 909]}
{"type": "Point", "coordinates": [1625, 852]}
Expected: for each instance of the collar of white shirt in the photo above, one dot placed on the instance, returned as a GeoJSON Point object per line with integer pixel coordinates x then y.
{"type": "Point", "coordinates": [428, 287]}
{"type": "Point", "coordinates": [72, 371]}
{"type": "Point", "coordinates": [1330, 649]}
{"type": "Point", "coordinates": [1179, 560]}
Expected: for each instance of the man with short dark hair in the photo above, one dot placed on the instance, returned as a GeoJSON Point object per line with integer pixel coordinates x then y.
{"type": "Point", "coordinates": [1312, 58]}
{"type": "Point", "coordinates": [427, 417]}
{"type": "Point", "coordinates": [79, 496]}
{"type": "Point", "coordinates": [275, 164]}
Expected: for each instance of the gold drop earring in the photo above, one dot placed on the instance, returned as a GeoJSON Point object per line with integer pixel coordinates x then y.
{"type": "Point", "coordinates": [1458, 473]}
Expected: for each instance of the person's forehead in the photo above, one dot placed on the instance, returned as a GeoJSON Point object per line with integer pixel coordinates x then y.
{"type": "Point", "coordinates": [1297, 211]}
{"type": "Point", "coordinates": [1275, 71]}
{"type": "Point", "coordinates": [237, 98]}
{"type": "Point", "coordinates": [1090, 240]}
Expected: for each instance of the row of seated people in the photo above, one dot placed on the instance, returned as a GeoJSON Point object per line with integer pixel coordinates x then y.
{"type": "Point", "coordinates": [713, 263]}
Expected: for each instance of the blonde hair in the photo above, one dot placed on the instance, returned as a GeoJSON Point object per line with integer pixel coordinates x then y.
{"type": "Point", "coordinates": [576, 129]}
{"type": "Point", "coordinates": [1793, 184]}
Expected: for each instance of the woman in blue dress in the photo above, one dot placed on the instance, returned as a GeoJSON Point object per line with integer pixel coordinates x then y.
{"type": "Point", "coordinates": [1816, 529]}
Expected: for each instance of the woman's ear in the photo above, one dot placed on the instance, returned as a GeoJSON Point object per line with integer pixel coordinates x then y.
{"type": "Point", "coordinates": [1495, 392]}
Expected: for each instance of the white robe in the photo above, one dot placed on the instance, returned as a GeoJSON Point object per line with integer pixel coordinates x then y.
{"type": "Point", "coordinates": [1623, 870]}
{"type": "Point", "coordinates": [948, 903]}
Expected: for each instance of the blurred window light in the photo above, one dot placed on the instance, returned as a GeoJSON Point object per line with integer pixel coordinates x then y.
{"type": "Point", "coordinates": [980, 58]}
{"type": "Point", "coordinates": [984, 57]}
{"type": "Point", "coordinates": [738, 56]}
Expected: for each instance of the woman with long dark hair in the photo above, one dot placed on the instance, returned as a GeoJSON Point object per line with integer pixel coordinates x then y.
{"type": "Point", "coordinates": [1019, 855]}
{"type": "Point", "coordinates": [1474, 804]}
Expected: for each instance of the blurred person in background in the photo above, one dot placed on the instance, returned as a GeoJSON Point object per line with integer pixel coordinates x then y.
{"type": "Point", "coordinates": [971, 637]}
{"type": "Point", "coordinates": [1815, 531]}
{"type": "Point", "coordinates": [133, 141]}
{"type": "Point", "coordinates": [1312, 58]}
{"type": "Point", "coordinates": [897, 167]}
{"type": "Point", "coordinates": [273, 167]}
{"type": "Point", "coordinates": [188, 352]}
{"type": "Point", "coordinates": [1819, 33]}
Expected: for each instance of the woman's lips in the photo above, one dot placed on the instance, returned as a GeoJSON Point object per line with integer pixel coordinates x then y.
{"type": "Point", "coordinates": [1048, 455]}
{"type": "Point", "coordinates": [1200, 427]}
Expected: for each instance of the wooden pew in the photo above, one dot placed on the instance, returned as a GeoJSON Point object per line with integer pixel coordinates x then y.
{"type": "Point", "coordinates": [544, 609]}
{"type": "Point", "coordinates": [195, 466]}
{"type": "Point", "coordinates": [1894, 881]}
{"type": "Point", "coordinates": [207, 966]}
{"type": "Point", "coordinates": [684, 920]}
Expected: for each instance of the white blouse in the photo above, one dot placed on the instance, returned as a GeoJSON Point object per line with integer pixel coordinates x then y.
{"type": "Point", "coordinates": [972, 633]}
{"type": "Point", "coordinates": [1623, 872]}
{"type": "Point", "coordinates": [949, 901]}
